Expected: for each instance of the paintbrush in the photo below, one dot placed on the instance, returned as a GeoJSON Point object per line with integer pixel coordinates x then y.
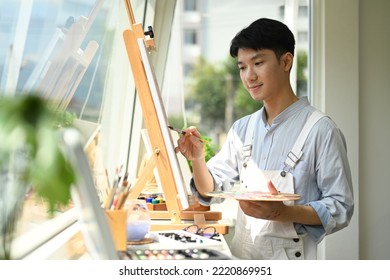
{"type": "Point", "coordinates": [183, 132]}
{"type": "Point", "coordinates": [180, 131]}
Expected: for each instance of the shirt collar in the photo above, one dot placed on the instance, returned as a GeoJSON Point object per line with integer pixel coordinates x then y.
{"type": "Point", "coordinates": [286, 113]}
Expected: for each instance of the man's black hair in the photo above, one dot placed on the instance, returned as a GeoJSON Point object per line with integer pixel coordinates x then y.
{"type": "Point", "coordinates": [264, 33]}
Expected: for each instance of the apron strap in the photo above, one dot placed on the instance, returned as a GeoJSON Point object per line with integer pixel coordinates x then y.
{"type": "Point", "coordinates": [251, 127]}
{"type": "Point", "coordinates": [247, 148]}
{"type": "Point", "coordinates": [296, 152]}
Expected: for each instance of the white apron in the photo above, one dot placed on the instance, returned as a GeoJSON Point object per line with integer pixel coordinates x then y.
{"type": "Point", "coordinates": [262, 239]}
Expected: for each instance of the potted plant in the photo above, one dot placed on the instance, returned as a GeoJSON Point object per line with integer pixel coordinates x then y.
{"type": "Point", "coordinates": [31, 158]}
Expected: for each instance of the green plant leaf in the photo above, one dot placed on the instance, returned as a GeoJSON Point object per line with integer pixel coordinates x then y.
{"type": "Point", "coordinates": [28, 123]}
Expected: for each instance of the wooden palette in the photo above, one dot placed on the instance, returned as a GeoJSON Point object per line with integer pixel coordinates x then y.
{"type": "Point", "coordinates": [254, 195]}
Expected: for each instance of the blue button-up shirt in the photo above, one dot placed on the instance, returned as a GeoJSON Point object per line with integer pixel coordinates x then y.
{"type": "Point", "coordinates": [322, 176]}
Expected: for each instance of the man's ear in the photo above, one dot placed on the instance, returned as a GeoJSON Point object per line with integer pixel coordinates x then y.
{"type": "Point", "coordinates": [287, 60]}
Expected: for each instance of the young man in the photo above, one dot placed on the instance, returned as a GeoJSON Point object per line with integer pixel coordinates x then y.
{"type": "Point", "coordinates": [262, 152]}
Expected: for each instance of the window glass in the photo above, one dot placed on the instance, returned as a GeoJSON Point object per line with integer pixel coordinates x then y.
{"type": "Point", "coordinates": [57, 49]}
{"type": "Point", "coordinates": [69, 52]}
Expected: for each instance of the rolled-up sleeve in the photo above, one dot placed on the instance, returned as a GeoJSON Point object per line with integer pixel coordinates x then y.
{"type": "Point", "coordinates": [336, 204]}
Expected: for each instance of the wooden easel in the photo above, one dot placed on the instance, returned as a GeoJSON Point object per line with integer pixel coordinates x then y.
{"type": "Point", "coordinates": [160, 157]}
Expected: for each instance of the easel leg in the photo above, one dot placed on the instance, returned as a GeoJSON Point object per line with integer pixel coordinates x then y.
{"type": "Point", "coordinates": [146, 175]}
{"type": "Point", "coordinates": [199, 220]}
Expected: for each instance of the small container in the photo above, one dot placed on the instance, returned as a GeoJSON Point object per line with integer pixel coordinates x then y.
{"type": "Point", "coordinates": [138, 219]}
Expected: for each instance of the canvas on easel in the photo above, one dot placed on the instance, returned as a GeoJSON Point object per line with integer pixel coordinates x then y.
{"type": "Point", "coordinates": [163, 156]}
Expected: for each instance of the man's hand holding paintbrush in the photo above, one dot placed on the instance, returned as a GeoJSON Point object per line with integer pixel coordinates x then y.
{"type": "Point", "coordinates": [190, 144]}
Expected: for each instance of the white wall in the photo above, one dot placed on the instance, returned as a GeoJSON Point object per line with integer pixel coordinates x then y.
{"type": "Point", "coordinates": [374, 136]}
{"type": "Point", "coordinates": [351, 61]}
{"type": "Point", "coordinates": [335, 90]}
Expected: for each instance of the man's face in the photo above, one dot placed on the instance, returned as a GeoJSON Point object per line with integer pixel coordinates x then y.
{"type": "Point", "coordinates": [262, 73]}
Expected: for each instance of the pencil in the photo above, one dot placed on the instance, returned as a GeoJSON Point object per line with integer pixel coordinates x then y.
{"type": "Point", "coordinates": [109, 199]}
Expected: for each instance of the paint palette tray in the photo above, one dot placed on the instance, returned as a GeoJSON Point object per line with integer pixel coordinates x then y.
{"type": "Point", "coordinates": [175, 254]}
{"type": "Point", "coordinates": [178, 239]}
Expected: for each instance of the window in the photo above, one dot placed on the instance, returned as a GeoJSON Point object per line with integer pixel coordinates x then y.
{"type": "Point", "coordinates": [303, 11]}
{"type": "Point", "coordinates": [70, 52]}
{"type": "Point", "coordinates": [190, 5]}
{"type": "Point", "coordinates": [281, 10]}
{"type": "Point", "coordinates": [190, 37]}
